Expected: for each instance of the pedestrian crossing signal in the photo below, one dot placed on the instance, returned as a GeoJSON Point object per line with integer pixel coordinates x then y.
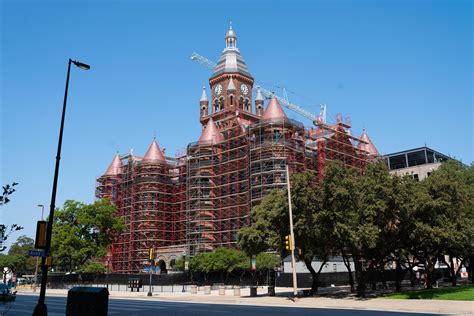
{"type": "Point", "coordinates": [288, 244]}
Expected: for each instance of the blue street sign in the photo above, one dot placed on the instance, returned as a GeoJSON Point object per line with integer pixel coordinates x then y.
{"type": "Point", "coordinates": [35, 253]}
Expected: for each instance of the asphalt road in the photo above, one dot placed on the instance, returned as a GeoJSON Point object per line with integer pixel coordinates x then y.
{"type": "Point", "coordinates": [25, 304]}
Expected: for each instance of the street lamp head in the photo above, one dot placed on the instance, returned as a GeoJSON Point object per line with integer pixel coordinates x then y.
{"type": "Point", "coordinates": [40, 205]}
{"type": "Point", "coordinates": [81, 65]}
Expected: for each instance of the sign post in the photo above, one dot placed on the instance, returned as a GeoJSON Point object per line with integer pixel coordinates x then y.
{"type": "Point", "coordinates": [151, 270]}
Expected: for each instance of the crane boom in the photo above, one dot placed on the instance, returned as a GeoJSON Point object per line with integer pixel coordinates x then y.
{"type": "Point", "coordinates": [295, 108]}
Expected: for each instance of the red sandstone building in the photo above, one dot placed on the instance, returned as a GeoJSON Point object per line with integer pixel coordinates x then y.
{"type": "Point", "coordinates": [199, 201]}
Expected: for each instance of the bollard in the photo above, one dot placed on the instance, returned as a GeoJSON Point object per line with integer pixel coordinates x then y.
{"type": "Point", "coordinates": [222, 290]}
{"type": "Point", "coordinates": [207, 289]}
{"type": "Point", "coordinates": [194, 289]}
{"type": "Point", "coordinates": [237, 290]}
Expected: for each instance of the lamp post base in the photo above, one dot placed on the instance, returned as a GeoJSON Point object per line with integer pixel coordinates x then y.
{"type": "Point", "coordinates": [149, 294]}
{"type": "Point", "coordinates": [40, 310]}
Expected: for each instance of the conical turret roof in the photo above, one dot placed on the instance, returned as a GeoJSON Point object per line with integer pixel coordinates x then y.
{"type": "Point", "coordinates": [154, 153]}
{"type": "Point", "coordinates": [273, 110]}
{"type": "Point", "coordinates": [203, 95]}
{"type": "Point", "coordinates": [259, 96]}
{"type": "Point", "coordinates": [210, 133]}
{"type": "Point", "coordinates": [115, 167]}
{"type": "Point", "coordinates": [367, 145]}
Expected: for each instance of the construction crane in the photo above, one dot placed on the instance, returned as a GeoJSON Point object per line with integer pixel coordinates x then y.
{"type": "Point", "coordinates": [268, 94]}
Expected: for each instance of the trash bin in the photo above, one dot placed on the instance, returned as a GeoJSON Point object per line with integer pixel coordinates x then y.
{"type": "Point", "coordinates": [90, 301]}
{"type": "Point", "coordinates": [253, 291]}
{"type": "Point", "coordinates": [194, 289]}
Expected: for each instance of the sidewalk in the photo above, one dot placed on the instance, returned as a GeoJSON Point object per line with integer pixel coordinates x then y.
{"type": "Point", "coordinates": [283, 299]}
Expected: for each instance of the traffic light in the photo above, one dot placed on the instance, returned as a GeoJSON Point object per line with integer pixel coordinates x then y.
{"type": "Point", "coordinates": [288, 243]}
{"type": "Point", "coordinates": [151, 255]}
{"type": "Point", "coordinates": [40, 240]}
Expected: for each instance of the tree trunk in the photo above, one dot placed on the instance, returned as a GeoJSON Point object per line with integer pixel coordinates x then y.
{"type": "Point", "coordinates": [398, 275]}
{"type": "Point", "coordinates": [314, 275]}
{"type": "Point", "coordinates": [382, 275]}
{"type": "Point", "coordinates": [471, 267]}
{"type": "Point", "coordinates": [429, 273]}
{"type": "Point", "coordinates": [452, 272]}
{"type": "Point", "coordinates": [360, 276]}
{"type": "Point", "coordinates": [347, 263]}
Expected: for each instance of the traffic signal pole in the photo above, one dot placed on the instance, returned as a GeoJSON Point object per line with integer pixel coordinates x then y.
{"type": "Point", "coordinates": [292, 249]}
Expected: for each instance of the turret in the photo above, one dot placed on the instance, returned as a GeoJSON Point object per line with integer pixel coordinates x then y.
{"type": "Point", "coordinates": [259, 102]}
{"type": "Point", "coordinates": [154, 153]}
{"type": "Point", "coordinates": [274, 111]}
{"type": "Point", "coordinates": [204, 103]}
{"type": "Point", "coordinates": [115, 167]}
{"type": "Point", "coordinates": [367, 145]}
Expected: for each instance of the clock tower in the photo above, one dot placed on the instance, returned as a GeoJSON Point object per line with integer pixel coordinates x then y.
{"type": "Point", "coordinates": [231, 88]}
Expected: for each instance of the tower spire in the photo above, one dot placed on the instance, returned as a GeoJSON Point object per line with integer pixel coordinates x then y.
{"type": "Point", "coordinates": [231, 38]}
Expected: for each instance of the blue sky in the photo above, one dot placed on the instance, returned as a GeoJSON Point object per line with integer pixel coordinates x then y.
{"type": "Point", "coordinates": [400, 69]}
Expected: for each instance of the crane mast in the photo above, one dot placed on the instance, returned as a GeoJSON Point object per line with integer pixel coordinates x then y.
{"type": "Point", "coordinates": [268, 94]}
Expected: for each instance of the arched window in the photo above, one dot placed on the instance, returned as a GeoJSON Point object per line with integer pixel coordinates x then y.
{"type": "Point", "coordinates": [241, 103]}
{"type": "Point", "coordinates": [247, 105]}
{"type": "Point", "coordinates": [221, 103]}
{"type": "Point", "coordinates": [216, 105]}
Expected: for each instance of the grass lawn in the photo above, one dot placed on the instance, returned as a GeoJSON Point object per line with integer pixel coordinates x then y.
{"type": "Point", "coordinates": [460, 293]}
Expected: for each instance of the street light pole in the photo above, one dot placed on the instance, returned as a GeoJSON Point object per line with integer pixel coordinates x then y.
{"type": "Point", "coordinates": [37, 258]}
{"type": "Point", "coordinates": [41, 308]}
{"type": "Point", "coordinates": [293, 261]}
{"type": "Point", "coordinates": [184, 272]}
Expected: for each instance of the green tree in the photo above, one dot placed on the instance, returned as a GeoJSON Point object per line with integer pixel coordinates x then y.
{"type": "Point", "coordinates": [353, 222]}
{"type": "Point", "coordinates": [222, 260]}
{"type": "Point", "coordinates": [444, 222]}
{"type": "Point", "coordinates": [267, 261]}
{"type": "Point", "coordinates": [270, 224]}
{"type": "Point", "coordinates": [13, 262]}
{"type": "Point", "coordinates": [93, 267]}
{"type": "Point", "coordinates": [20, 249]}
{"type": "Point", "coordinates": [82, 233]}
{"type": "Point", "coordinates": [5, 231]}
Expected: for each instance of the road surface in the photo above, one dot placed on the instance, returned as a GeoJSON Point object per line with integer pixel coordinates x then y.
{"type": "Point", "coordinates": [25, 304]}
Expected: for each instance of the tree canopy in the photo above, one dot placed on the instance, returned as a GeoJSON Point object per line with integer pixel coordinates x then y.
{"type": "Point", "coordinates": [373, 218]}
{"type": "Point", "coordinates": [82, 234]}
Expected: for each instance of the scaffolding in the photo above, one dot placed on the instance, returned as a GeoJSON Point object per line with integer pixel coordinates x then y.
{"type": "Point", "coordinates": [218, 194]}
{"type": "Point", "coordinates": [333, 142]}
{"type": "Point", "coordinates": [150, 196]}
{"type": "Point", "coordinates": [273, 145]}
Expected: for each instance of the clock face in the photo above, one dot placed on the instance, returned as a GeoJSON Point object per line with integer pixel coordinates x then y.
{"type": "Point", "coordinates": [218, 89]}
{"type": "Point", "coordinates": [244, 89]}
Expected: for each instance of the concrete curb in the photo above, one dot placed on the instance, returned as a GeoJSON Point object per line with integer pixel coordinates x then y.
{"type": "Point", "coordinates": [374, 304]}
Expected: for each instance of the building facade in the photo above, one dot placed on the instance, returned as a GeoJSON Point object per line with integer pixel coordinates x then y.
{"type": "Point", "coordinates": [198, 201]}
{"type": "Point", "coordinates": [417, 163]}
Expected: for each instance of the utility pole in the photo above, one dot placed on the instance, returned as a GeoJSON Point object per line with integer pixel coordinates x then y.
{"type": "Point", "coordinates": [292, 250]}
